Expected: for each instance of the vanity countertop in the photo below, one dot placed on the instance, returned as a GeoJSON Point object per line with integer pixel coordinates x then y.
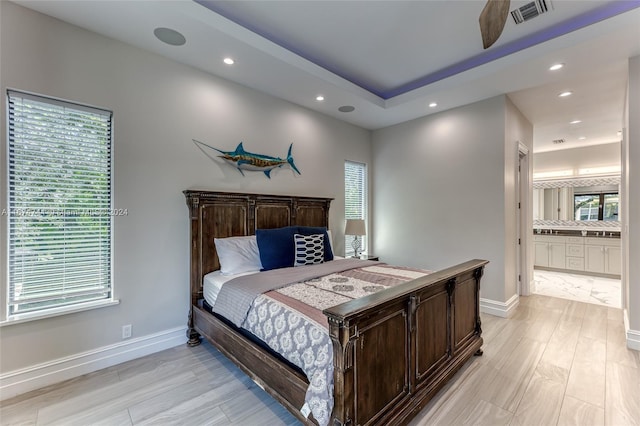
{"type": "Point", "coordinates": [591, 233]}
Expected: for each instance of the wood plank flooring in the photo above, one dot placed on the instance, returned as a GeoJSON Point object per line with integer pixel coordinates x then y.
{"type": "Point", "coordinates": [556, 362]}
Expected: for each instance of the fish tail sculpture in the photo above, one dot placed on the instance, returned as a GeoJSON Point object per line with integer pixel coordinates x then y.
{"type": "Point", "coordinates": [290, 160]}
{"type": "Point", "coordinates": [243, 160]}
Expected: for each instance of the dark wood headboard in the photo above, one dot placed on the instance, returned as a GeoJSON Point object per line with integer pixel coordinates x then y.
{"type": "Point", "coordinates": [228, 214]}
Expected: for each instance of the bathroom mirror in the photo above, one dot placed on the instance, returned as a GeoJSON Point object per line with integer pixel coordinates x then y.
{"type": "Point", "coordinates": [580, 200]}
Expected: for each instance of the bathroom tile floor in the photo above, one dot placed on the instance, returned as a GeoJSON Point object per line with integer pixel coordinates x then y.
{"type": "Point", "coordinates": [582, 288]}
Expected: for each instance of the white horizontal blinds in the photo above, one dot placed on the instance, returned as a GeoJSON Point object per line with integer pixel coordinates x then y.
{"type": "Point", "coordinates": [59, 203]}
{"type": "Point", "coordinates": [355, 199]}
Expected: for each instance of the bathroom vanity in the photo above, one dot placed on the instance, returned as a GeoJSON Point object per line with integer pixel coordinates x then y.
{"type": "Point", "coordinates": [576, 227]}
{"type": "Point", "coordinates": [578, 251]}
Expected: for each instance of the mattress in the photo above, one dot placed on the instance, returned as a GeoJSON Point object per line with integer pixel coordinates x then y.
{"type": "Point", "coordinates": [213, 282]}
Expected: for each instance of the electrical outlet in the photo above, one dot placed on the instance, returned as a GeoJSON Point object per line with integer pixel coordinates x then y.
{"type": "Point", "coordinates": [126, 331]}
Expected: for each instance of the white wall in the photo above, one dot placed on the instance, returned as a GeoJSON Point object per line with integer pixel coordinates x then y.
{"type": "Point", "coordinates": [518, 131]}
{"type": "Point", "coordinates": [440, 191]}
{"type": "Point", "coordinates": [631, 221]}
{"type": "Point", "coordinates": [577, 158]}
{"type": "Point", "coordinates": [159, 106]}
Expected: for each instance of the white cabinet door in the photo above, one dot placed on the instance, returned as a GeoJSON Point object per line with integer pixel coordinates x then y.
{"type": "Point", "coordinates": [594, 258]}
{"type": "Point", "coordinates": [613, 263]}
{"type": "Point", "coordinates": [557, 255]}
{"type": "Point", "coordinates": [541, 254]}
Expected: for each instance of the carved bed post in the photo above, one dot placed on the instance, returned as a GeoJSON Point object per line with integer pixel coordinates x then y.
{"type": "Point", "coordinates": [192, 335]}
{"type": "Point", "coordinates": [477, 274]}
{"type": "Point", "coordinates": [343, 384]}
{"type": "Point", "coordinates": [450, 287]}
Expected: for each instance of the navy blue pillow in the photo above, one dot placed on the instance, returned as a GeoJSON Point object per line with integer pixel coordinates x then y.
{"type": "Point", "coordinates": [311, 230]}
{"type": "Point", "coordinates": [276, 246]}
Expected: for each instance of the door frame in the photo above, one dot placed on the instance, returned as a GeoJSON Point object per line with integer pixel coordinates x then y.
{"type": "Point", "coordinates": [524, 220]}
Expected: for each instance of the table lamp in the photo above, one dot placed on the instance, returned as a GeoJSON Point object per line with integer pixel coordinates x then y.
{"type": "Point", "coordinates": [356, 228]}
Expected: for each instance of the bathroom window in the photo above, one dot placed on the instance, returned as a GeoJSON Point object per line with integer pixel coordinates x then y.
{"type": "Point", "coordinates": [610, 210]}
{"type": "Point", "coordinates": [599, 206]}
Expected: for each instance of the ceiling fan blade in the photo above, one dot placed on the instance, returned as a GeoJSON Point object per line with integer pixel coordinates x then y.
{"type": "Point", "coordinates": [492, 20]}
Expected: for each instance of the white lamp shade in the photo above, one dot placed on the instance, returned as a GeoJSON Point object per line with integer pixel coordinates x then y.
{"type": "Point", "coordinates": [355, 227]}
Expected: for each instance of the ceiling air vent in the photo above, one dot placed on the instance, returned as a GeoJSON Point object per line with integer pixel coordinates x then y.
{"type": "Point", "coordinates": [529, 11]}
{"type": "Point", "coordinates": [558, 141]}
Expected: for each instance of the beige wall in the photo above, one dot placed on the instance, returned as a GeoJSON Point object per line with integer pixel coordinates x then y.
{"type": "Point", "coordinates": [159, 106]}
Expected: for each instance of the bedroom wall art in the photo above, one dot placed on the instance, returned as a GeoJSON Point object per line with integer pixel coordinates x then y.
{"type": "Point", "coordinates": [243, 160]}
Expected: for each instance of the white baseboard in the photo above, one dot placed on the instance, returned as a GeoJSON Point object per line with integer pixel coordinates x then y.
{"type": "Point", "coordinates": [27, 379]}
{"type": "Point", "coordinates": [633, 336]}
{"type": "Point", "coordinates": [500, 309]}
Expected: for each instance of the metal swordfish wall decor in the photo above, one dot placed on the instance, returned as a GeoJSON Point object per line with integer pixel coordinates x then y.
{"type": "Point", "coordinates": [243, 160]}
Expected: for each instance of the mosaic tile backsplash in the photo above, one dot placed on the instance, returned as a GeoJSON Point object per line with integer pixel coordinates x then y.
{"type": "Point", "coordinates": [573, 224]}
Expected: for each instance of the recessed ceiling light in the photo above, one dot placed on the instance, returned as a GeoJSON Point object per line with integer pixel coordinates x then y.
{"type": "Point", "coordinates": [228, 61]}
{"type": "Point", "coordinates": [555, 67]}
{"type": "Point", "coordinates": [433, 105]}
{"type": "Point", "coordinates": [169, 36]}
{"type": "Point", "coordinates": [346, 108]}
{"type": "Point", "coordinates": [565, 94]}
{"type": "Point", "coordinates": [576, 122]}
{"type": "Point", "coordinates": [582, 138]}
{"type": "Point", "coordinates": [319, 98]}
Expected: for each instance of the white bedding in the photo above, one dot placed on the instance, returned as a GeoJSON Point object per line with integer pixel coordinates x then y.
{"type": "Point", "coordinates": [213, 281]}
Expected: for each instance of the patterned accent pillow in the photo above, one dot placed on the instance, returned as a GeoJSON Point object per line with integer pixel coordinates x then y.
{"type": "Point", "coordinates": [309, 249]}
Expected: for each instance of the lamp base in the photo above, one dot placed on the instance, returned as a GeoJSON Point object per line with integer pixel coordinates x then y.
{"type": "Point", "coordinates": [356, 245]}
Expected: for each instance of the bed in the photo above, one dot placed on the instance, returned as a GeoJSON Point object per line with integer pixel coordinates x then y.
{"type": "Point", "coordinates": [392, 350]}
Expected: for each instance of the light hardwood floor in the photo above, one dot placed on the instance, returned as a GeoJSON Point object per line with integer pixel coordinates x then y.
{"type": "Point", "coordinates": [556, 362]}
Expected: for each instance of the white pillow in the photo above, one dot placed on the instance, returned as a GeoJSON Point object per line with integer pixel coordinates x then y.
{"type": "Point", "coordinates": [238, 254]}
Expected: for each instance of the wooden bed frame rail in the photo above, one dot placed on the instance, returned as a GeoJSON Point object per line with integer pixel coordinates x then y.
{"type": "Point", "coordinates": [393, 350]}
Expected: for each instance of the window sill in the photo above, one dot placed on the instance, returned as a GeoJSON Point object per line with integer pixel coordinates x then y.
{"type": "Point", "coordinates": [54, 312]}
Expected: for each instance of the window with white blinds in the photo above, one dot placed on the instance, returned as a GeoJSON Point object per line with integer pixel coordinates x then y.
{"type": "Point", "coordinates": [59, 208]}
{"type": "Point", "coordinates": [355, 199]}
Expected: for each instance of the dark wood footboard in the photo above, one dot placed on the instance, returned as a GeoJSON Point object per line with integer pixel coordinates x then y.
{"type": "Point", "coordinates": [395, 349]}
